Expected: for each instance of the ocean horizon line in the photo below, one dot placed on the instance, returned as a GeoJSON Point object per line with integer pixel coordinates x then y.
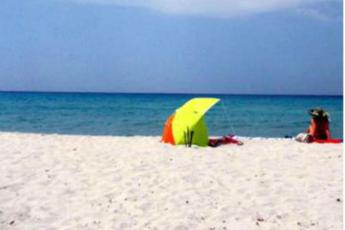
{"type": "Point", "coordinates": [168, 93]}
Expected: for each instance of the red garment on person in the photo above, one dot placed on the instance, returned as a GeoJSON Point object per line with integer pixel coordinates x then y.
{"type": "Point", "coordinates": [319, 129]}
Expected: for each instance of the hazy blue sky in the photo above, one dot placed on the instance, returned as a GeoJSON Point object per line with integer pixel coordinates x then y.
{"type": "Point", "coordinates": [195, 46]}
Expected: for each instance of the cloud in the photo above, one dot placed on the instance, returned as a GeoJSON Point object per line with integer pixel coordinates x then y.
{"type": "Point", "coordinates": [314, 13]}
{"type": "Point", "coordinates": [217, 8]}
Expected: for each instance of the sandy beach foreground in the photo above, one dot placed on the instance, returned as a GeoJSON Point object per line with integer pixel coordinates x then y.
{"type": "Point", "coordinates": [89, 182]}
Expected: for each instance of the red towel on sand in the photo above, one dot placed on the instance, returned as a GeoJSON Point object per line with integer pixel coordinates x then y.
{"type": "Point", "coordinates": [229, 139]}
{"type": "Point", "coordinates": [333, 141]}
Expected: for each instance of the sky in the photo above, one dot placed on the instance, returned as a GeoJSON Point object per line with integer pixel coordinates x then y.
{"type": "Point", "coordinates": [172, 46]}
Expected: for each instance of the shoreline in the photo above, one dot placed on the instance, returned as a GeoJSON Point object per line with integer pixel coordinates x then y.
{"type": "Point", "coordinates": [134, 136]}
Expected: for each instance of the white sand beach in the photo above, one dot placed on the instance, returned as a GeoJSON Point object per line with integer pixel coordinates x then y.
{"type": "Point", "coordinates": [90, 182]}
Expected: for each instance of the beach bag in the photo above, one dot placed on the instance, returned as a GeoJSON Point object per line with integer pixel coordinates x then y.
{"type": "Point", "coordinates": [304, 137]}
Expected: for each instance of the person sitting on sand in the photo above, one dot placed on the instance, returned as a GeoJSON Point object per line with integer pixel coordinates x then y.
{"type": "Point", "coordinates": [319, 124]}
{"type": "Point", "coordinates": [318, 128]}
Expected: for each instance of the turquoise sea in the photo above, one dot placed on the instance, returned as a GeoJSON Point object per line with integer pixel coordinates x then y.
{"type": "Point", "coordinates": [145, 114]}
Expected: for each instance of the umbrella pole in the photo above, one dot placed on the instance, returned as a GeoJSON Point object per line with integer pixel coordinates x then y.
{"type": "Point", "coordinates": [191, 138]}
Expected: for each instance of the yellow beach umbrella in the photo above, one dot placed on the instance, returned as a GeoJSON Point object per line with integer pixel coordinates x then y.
{"type": "Point", "coordinates": [187, 125]}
